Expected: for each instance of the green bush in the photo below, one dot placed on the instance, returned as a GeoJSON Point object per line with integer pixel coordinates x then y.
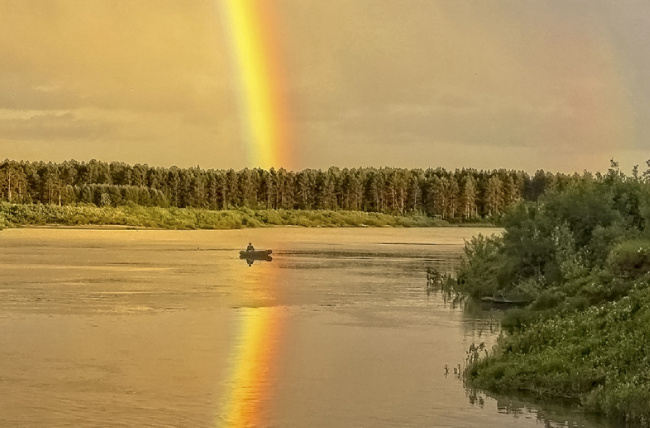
{"type": "Point", "coordinates": [479, 270]}
{"type": "Point", "coordinates": [630, 258]}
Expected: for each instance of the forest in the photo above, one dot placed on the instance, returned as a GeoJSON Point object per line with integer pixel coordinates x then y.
{"type": "Point", "coordinates": [461, 195]}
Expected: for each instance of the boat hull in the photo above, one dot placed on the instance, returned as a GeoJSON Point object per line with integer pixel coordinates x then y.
{"type": "Point", "coordinates": [255, 255]}
{"type": "Point", "coordinates": [500, 301]}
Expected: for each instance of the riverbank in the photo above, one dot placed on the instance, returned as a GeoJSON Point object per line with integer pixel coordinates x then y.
{"type": "Point", "coordinates": [23, 215]}
{"type": "Point", "coordinates": [581, 259]}
{"type": "Point", "coordinates": [596, 358]}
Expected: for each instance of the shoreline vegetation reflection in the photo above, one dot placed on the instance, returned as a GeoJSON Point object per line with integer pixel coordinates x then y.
{"type": "Point", "coordinates": [552, 413]}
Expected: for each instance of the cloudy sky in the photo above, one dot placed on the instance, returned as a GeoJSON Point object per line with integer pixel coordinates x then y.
{"type": "Point", "coordinates": [556, 84]}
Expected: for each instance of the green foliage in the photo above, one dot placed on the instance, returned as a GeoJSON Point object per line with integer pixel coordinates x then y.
{"type": "Point", "coordinates": [565, 234]}
{"type": "Point", "coordinates": [465, 195]}
{"type": "Point", "coordinates": [630, 258]}
{"type": "Point", "coordinates": [191, 218]}
{"type": "Point", "coordinates": [581, 254]}
{"type": "Point", "coordinates": [598, 357]}
{"type": "Point", "coordinates": [479, 270]}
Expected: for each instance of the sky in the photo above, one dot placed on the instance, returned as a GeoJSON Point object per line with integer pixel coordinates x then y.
{"type": "Point", "coordinates": [559, 85]}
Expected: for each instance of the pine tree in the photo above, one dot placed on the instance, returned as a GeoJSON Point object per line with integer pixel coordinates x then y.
{"type": "Point", "coordinates": [493, 196]}
{"type": "Point", "coordinates": [468, 197]}
{"type": "Point", "coordinates": [13, 181]}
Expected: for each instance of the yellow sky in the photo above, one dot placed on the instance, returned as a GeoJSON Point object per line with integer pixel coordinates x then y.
{"type": "Point", "coordinates": [559, 85]}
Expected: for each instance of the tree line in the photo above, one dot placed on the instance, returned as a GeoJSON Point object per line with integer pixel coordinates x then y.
{"type": "Point", "coordinates": [463, 194]}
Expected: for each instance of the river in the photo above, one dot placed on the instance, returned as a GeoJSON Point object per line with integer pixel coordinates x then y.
{"type": "Point", "coordinates": [102, 327]}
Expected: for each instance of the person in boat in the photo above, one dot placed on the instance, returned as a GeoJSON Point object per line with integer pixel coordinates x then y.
{"type": "Point", "coordinates": [250, 247]}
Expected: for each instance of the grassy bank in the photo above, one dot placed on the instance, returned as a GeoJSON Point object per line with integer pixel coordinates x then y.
{"type": "Point", "coordinates": [597, 358]}
{"type": "Point", "coordinates": [581, 259]}
{"type": "Point", "coordinates": [19, 215]}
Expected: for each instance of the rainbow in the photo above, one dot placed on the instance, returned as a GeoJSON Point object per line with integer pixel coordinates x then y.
{"type": "Point", "coordinates": [252, 32]}
{"type": "Point", "coordinates": [255, 49]}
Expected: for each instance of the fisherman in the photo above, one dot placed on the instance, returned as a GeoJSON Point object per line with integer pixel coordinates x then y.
{"type": "Point", "coordinates": [250, 247]}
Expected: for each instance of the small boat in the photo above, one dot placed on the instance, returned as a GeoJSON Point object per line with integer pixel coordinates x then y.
{"type": "Point", "coordinates": [501, 299]}
{"type": "Point", "coordinates": [255, 254]}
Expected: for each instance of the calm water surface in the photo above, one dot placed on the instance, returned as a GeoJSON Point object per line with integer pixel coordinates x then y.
{"type": "Point", "coordinates": [170, 328]}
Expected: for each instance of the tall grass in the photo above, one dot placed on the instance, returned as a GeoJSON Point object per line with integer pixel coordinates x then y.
{"type": "Point", "coordinates": [17, 215]}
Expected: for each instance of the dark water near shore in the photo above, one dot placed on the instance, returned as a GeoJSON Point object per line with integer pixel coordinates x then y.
{"type": "Point", "coordinates": [170, 328]}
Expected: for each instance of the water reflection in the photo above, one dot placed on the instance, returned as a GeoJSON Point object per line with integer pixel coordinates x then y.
{"type": "Point", "coordinates": [252, 368]}
{"type": "Point", "coordinates": [251, 260]}
{"type": "Point", "coordinates": [547, 414]}
{"type": "Point", "coordinates": [253, 361]}
{"type": "Point", "coordinates": [479, 318]}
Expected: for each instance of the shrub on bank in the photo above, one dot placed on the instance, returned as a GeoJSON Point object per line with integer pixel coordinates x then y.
{"type": "Point", "coordinates": [478, 274]}
{"type": "Point", "coordinates": [630, 258]}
